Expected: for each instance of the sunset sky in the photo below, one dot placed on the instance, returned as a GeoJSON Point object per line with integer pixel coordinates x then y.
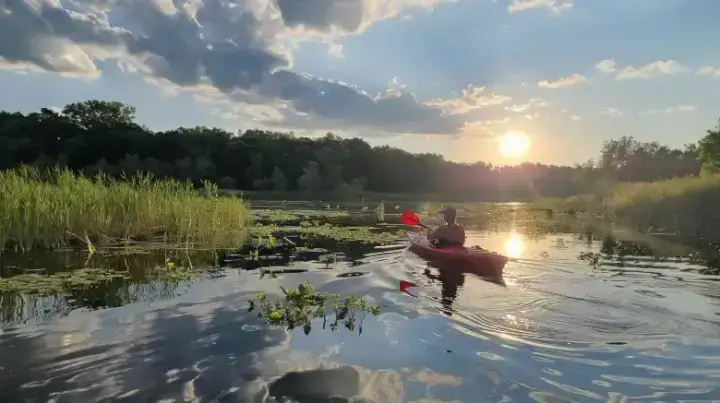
{"type": "Point", "coordinates": [444, 76]}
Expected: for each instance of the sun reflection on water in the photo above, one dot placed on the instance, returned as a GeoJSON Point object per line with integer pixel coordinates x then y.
{"type": "Point", "coordinates": [514, 245]}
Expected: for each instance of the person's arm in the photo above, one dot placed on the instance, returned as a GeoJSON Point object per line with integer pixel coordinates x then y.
{"type": "Point", "coordinates": [433, 234]}
{"type": "Point", "coordinates": [462, 230]}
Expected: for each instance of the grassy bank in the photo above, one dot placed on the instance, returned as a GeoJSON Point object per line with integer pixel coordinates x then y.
{"type": "Point", "coordinates": [55, 208]}
{"type": "Point", "coordinates": [688, 205]}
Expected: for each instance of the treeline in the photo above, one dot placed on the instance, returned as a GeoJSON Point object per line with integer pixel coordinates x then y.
{"type": "Point", "coordinates": [103, 136]}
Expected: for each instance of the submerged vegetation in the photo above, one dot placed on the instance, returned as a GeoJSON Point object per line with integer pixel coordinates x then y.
{"type": "Point", "coordinates": [55, 208]}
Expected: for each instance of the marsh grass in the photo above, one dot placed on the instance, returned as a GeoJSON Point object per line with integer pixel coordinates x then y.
{"type": "Point", "coordinates": [50, 209]}
{"type": "Point", "coordinates": [685, 205]}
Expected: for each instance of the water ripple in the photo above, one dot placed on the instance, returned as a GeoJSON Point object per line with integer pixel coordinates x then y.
{"type": "Point", "coordinates": [553, 330]}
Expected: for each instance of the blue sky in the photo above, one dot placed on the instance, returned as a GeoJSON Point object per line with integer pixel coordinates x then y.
{"type": "Point", "coordinates": [424, 75]}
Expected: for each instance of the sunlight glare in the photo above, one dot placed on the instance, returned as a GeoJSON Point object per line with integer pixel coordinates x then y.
{"type": "Point", "coordinates": [514, 144]}
{"type": "Point", "coordinates": [514, 246]}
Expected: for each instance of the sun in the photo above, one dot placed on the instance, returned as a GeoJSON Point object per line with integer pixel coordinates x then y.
{"type": "Point", "coordinates": [514, 144]}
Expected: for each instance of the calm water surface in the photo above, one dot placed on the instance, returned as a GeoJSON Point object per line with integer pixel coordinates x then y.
{"type": "Point", "coordinates": [558, 330]}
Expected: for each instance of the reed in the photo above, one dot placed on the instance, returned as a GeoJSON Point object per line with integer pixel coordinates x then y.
{"type": "Point", "coordinates": [688, 205]}
{"type": "Point", "coordinates": [49, 209]}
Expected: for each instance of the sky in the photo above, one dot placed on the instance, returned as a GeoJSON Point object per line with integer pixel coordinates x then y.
{"type": "Point", "coordinates": [440, 76]}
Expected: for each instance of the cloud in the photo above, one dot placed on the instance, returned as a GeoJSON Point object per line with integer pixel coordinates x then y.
{"type": "Point", "coordinates": [336, 50]}
{"type": "Point", "coordinates": [532, 103]}
{"type": "Point", "coordinates": [346, 15]}
{"type": "Point", "coordinates": [709, 71]}
{"type": "Point", "coordinates": [472, 98]}
{"type": "Point", "coordinates": [234, 50]}
{"type": "Point", "coordinates": [483, 128]}
{"type": "Point", "coordinates": [39, 35]}
{"type": "Point", "coordinates": [523, 5]}
{"type": "Point", "coordinates": [612, 112]}
{"type": "Point", "coordinates": [607, 66]}
{"type": "Point", "coordinates": [563, 81]}
{"type": "Point", "coordinates": [669, 110]}
{"type": "Point", "coordinates": [652, 69]}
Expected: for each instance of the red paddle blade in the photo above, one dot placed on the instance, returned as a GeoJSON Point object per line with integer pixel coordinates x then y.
{"type": "Point", "coordinates": [404, 285]}
{"type": "Point", "coordinates": [410, 218]}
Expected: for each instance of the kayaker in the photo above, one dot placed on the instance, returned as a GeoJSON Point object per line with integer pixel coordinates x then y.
{"type": "Point", "coordinates": [449, 234]}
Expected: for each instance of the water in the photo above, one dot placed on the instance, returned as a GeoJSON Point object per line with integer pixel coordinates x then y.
{"type": "Point", "coordinates": [558, 330]}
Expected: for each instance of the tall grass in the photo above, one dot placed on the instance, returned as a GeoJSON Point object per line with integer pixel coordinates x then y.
{"type": "Point", "coordinates": [689, 204]}
{"type": "Point", "coordinates": [50, 208]}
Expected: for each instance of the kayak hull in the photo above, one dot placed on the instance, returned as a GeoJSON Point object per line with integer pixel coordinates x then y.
{"type": "Point", "coordinates": [478, 261]}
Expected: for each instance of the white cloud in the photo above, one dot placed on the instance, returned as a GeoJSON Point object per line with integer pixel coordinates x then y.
{"type": "Point", "coordinates": [483, 128]}
{"type": "Point", "coordinates": [709, 71]}
{"type": "Point", "coordinates": [472, 98]}
{"type": "Point", "coordinates": [669, 110]}
{"type": "Point", "coordinates": [532, 103]}
{"type": "Point", "coordinates": [652, 69]}
{"type": "Point", "coordinates": [523, 5]}
{"type": "Point", "coordinates": [607, 66]}
{"type": "Point", "coordinates": [612, 112]}
{"type": "Point", "coordinates": [232, 52]}
{"type": "Point", "coordinates": [563, 81]}
{"type": "Point", "coordinates": [336, 50]}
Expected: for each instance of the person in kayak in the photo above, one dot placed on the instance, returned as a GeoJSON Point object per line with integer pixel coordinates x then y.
{"type": "Point", "coordinates": [449, 234]}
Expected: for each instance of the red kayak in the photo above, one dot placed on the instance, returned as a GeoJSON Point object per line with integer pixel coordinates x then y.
{"type": "Point", "coordinates": [475, 260]}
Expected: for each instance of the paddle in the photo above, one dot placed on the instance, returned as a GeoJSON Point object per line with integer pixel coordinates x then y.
{"type": "Point", "coordinates": [411, 219]}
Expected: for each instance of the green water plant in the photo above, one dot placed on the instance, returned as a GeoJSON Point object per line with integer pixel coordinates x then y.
{"type": "Point", "coordinates": [39, 283]}
{"type": "Point", "coordinates": [59, 283]}
{"type": "Point", "coordinates": [338, 233]}
{"type": "Point", "coordinates": [300, 306]}
{"type": "Point", "coordinates": [285, 217]}
{"type": "Point", "coordinates": [366, 235]}
{"type": "Point", "coordinates": [277, 216]}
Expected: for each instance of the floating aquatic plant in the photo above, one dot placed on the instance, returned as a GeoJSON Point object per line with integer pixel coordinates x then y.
{"type": "Point", "coordinates": [58, 283]}
{"type": "Point", "coordinates": [300, 306]}
{"type": "Point", "coordinates": [364, 234]}
{"type": "Point", "coordinates": [286, 217]}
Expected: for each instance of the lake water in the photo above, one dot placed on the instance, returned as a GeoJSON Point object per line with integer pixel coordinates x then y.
{"type": "Point", "coordinates": [558, 330]}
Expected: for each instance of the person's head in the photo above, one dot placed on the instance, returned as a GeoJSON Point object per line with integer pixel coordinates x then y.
{"type": "Point", "coordinates": [449, 215]}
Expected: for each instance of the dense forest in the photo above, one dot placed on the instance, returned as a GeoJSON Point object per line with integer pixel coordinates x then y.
{"type": "Point", "coordinates": [103, 136]}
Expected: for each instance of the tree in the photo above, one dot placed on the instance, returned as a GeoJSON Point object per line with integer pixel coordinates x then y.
{"type": "Point", "coordinates": [262, 184]}
{"type": "Point", "coordinates": [94, 113]}
{"type": "Point", "coordinates": [311, 179]}
{"type": "Point", "coordinates": [131, 164]}
{"type": "Point", "coordinates": [226, 182]}
{"type": "Point", "coordinates": [101, 136]}
{"type": "Point", "coordinates": [279, 182]}
{"type": "Point", "coordinates": [709, 151]}
{"type": "Point", "coordinates": [359, 183]}
{"type": "Point", "coordinates": [255, 171]}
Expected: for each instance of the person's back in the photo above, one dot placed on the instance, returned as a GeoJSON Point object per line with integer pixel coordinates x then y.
{"type": "Point", "coordinates": [449, 234]}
